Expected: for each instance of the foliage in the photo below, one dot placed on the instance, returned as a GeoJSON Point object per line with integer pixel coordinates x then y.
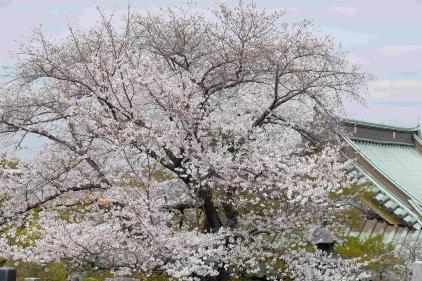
{"type": "Point", "coordinates": [379, 255]}
{"type": "Point", "coordinates": [52, 272]}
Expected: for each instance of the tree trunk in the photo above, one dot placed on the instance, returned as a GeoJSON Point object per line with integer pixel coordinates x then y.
{"type": "Point", "coordinates": [214, 224]}
{"type": "Point", "coordinates": [231, 214]}
{"type": "Point", "coordinates": [212, 217]}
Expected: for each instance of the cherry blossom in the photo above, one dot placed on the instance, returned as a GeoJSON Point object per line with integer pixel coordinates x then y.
{"type": "Point", "coordinates": [201, 147]}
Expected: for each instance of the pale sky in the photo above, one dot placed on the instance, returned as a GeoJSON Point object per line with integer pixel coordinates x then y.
{"type": "Point", "coordinates": [384, 36]}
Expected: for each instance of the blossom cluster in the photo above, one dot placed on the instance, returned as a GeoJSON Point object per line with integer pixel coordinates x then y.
{"type": "Point", "coordinates": [195, 146]}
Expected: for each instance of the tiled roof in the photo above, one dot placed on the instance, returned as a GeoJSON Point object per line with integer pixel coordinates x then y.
{"type": "Point", "coordinates": [401, 164]}
{"type": "Point", "coordinates": [390, 159]}
{"type": "Point", "coordinates": [395, 234]}
{"type": "Point", "coordinates": [405, 208]}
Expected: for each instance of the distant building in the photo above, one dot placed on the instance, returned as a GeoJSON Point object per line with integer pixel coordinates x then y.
{"type": "Point", "coordinates": [390, 159]}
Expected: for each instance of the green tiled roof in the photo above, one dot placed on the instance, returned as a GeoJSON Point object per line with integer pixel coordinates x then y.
{"type": "Point", "coordinates": [395, 167]}
{"type": "Point", "coordinates": [401, 164]}
{"type": "Point", "coordinates": [384, 197]}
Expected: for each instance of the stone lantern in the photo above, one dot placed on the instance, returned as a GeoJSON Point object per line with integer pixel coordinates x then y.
{"type": "Point", "coordinates": [75, 276]}
{"type": "Point", "coordinates": [324, 239]}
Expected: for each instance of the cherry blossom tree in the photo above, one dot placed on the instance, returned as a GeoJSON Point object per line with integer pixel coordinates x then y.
{"type": "Point", "coordinates": [200, 146]}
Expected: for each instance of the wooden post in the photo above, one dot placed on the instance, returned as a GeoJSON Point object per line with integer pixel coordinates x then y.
{"type": "Point", "coordinates": [7, 274]}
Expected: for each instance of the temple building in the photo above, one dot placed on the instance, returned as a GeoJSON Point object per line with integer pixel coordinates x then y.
{"type": "Point", "coordinates": [389, 160]}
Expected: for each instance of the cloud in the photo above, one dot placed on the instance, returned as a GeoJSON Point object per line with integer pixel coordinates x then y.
{"type": "Point", "coordinates": [396, 102]}
{"type": "Point", "coordinates": [344, 10]}
{"type": "Point", "coordinates": [378, 11]}
{"type": "Point", "coordinates": [353, 58]}
{"type": "Point", "coordinates": [5, 3]}
{"type": "Point", "coordinates": [348, 38]}
{"type": "Point", "coordinates": [405, 90]}
{"type": "Point", "coordinates": [391, 50]}
{"type": "Point", "coordinates": [387, 113]}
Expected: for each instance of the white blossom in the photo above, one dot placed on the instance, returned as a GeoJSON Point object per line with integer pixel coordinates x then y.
{"type": "Point", "coordinates": [198, 147]}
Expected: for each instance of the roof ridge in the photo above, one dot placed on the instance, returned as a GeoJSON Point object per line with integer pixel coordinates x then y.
{"type": "Point", "coordinates": [379, 125]}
